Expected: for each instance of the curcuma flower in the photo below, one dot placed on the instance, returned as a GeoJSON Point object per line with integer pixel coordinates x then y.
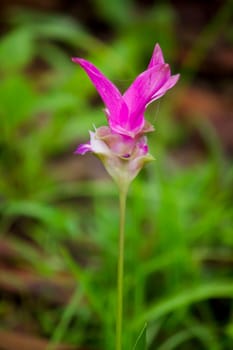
{"type": "Point", "coordinates": [122, 145]}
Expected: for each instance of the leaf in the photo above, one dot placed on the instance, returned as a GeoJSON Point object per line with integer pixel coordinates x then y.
{"type": "Point", "coordinates": [217, 289]}
{"type": "Point", "coordinates": [141, 340]}
{"type": "Point", "coordinates": [50, 216]}
{"type": "Point", "coordinates": [17, 100]}
{"type": "Point", "coordinates": [16, 49]}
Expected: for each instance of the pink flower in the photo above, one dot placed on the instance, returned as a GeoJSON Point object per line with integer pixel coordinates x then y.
{"type": "Point", "coordinates": [126, 113]}
{"type": "Point", "coordinates": [122, 145]}
{"type": "Point", "coordinates": [122, 156]}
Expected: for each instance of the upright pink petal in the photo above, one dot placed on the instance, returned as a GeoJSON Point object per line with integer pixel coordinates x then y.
{"type": "Point", "coordinates": [126, 113]}
{"type": "Point", "coordinates": [167, 86]}
{"type": "Point", "coordinates": [128, 124]}
{"type": "Point", "coordinates": [107, 90]}
{"type": "Point", "coordinates": [119, 122]}
{"type": "Point", "coordinates": [146, 85]}
{"type": "Point", "coordinates": [157, 57]}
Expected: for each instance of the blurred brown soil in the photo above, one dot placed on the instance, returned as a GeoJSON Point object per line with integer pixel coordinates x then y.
{"type": "Point", "coordinates": [199, 103]}
{"type": "Point", "coordinates": [10, 340]}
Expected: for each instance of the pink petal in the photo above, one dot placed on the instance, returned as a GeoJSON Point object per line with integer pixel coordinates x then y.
{"type": "Point", "coordinates": [167, 86]}
{"type": "Point", "coordinates": [107, 90]}
{"type": "Point", "coordinates": [121, 123]}
{"type": "Point", "coordinates": [145, 86]}
{"type": "Point", "coordinates": [83, 148]}
{"type": "Point", "coordinates": [128, 124]}
{"type": "Point", "coordinates": [157, 57]}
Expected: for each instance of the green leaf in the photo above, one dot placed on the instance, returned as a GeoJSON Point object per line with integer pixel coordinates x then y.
{"type": "Point", "coordinates": [141, 340]}
{"type": "Point", "coordinates": [16, 49]}
{"type": "Point", "coordinates": [17, 100]}
{"type": "Point", "coordinates": [50, 216]}
{"type": "Point", "coordinates": [217, 289]}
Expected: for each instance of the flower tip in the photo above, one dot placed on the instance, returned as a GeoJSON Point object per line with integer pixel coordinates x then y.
{"type": "Point", "coordinates": [77, 60]}
{"type": "Point", "coordinates": [174, 79]}
{"type": "Point", "coordinates": [157, 47]}
{"type": "Point", "coordinates": [157, 56]}
{"type": "Point", "coordinates": [77, 151]}
{"type": "Point", "coordinates": [83, 148]}
{"type": "Point", "coordinates": [165, 69]}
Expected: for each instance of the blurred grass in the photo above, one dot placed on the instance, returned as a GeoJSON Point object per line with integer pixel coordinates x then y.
{"type": "Point", "coordinates": [179, 221]}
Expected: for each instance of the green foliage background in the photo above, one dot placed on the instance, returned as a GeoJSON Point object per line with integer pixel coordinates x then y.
{"type": "Point", "coordinates": [179, 240]}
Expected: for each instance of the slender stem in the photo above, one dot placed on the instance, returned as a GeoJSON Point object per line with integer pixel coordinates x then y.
{"type": "Point", "coordinates": [120, 272]}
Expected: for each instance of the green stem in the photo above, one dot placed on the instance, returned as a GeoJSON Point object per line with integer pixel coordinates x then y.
{"type": "Point", "coordinates": [120, 271]}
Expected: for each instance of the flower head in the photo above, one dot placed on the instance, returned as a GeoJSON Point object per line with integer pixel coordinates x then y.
{"type": "Point", "coordinates": [122, 145]}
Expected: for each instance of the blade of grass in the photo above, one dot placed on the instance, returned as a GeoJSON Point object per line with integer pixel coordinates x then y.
{"type": "Point", "coordinates": [67, 316]}
{"type": "Point", "coordinates": [223, 289]}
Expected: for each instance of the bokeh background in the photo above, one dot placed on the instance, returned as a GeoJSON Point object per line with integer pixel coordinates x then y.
{"type": "Point", "coordinates": [59, 211]}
